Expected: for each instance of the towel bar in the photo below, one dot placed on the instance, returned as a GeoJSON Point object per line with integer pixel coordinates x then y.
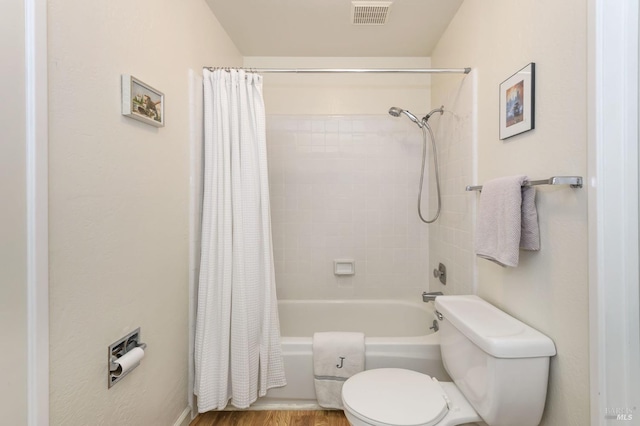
{"type": "Point", "coordinates": [573, 181]}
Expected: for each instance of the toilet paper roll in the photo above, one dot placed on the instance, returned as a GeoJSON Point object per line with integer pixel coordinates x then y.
{"type": "Point", "coordinates": [128, 361]}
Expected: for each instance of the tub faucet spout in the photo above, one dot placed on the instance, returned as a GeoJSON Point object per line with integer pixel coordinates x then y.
{"type": "Point", "coordinates": [430, 297]}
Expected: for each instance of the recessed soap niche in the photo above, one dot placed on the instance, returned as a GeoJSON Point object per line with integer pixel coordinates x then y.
{"type": "Point", "coordinates": [344, 267]}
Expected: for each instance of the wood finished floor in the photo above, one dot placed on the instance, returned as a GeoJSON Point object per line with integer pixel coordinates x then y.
{"type": "Point", "coordinates": [275, 418]}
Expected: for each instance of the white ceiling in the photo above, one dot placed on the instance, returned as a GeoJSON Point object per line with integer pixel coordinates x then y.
{"type": "Point", "coordinates": [323, 27]}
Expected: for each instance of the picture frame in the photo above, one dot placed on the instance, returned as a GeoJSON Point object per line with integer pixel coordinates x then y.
{"type": "Point", "coordinates": [142, 102]}
{"type": "Point", "coordinates": [517, 102]}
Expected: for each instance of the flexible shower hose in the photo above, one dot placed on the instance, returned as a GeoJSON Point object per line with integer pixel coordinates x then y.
{"type": "Point", "coordinates": [437, 171]}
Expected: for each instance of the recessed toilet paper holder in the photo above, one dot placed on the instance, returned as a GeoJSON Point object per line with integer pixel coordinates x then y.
{"type": "Point", "coordinates": [117, 350]}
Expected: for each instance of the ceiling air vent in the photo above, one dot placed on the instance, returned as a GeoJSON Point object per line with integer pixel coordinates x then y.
{"type": "Point", "coordinates": [370, 12]}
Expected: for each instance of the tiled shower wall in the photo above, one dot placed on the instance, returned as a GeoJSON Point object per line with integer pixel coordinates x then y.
{"type": "Point", "coordinates": [344, 187]}
{"type": "Point", "coordinates": [451, 238]}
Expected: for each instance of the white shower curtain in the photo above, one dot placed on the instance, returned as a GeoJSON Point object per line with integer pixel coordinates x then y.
{"type": "Point", "coordinates": [237, 346]}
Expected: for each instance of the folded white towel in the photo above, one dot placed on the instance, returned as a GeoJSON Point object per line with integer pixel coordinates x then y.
{"type": "Point", "coordinates": [507, 220]}
{"type": "Point", "coordinates": [336, 357]}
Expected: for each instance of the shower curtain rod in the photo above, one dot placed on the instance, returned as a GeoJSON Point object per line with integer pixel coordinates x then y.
{"type": "Point", "coordinates": [353, 70]}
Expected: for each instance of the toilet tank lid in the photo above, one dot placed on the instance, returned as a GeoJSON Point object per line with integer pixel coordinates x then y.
{"type": "Point", "coordinates": [494, 331]}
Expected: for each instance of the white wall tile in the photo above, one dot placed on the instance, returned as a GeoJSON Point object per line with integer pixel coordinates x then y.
{"type": "Point", "coordinates": [451, 237]}
{"type": "Point", "coordinates": [346, 187]}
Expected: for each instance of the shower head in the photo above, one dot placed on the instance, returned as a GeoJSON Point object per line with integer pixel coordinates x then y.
{"type": "Point", "coordinates": [395, 112]}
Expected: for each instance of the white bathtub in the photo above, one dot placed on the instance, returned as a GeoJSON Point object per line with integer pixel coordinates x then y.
{"type": "Point", "coordinates": [397, 335]}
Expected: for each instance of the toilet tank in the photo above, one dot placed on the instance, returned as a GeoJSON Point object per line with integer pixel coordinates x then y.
{"type": "Point", "coordinates": [500, 364]}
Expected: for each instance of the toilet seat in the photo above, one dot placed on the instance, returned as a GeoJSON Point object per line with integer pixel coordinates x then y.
{"type": "Point", "coordinates": [417, 399]}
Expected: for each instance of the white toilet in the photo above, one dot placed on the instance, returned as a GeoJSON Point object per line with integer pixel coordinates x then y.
{"type": "Point", "coordinates": [499, 367]}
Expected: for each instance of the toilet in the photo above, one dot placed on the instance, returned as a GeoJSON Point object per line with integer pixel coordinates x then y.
{"type": "Point", "coordinates": [499, 367]}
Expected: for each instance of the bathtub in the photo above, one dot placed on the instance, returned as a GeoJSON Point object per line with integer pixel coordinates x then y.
{"type": "Point", "coordinates": [397, 335]}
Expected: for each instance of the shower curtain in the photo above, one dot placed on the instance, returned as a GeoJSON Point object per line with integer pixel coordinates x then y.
{"type": "Point", "coordinates": [237, 346]}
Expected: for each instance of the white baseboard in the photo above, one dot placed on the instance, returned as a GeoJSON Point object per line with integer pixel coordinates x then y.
{"type": "Point", "coordinates": [184, 419]}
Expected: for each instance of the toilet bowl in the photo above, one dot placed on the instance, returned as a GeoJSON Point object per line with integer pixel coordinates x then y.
{"type": "Point", "coordinates": [499, 365]}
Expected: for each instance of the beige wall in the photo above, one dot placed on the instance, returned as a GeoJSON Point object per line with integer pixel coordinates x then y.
{"type": "Point", "coordinates": [13, 249]}
{"type": "Point", "coordinates": [119, 203]}
{"type": "Point", "coordinates": [343, 94]}
{"type": "Point", "coordinates": [548, 290]}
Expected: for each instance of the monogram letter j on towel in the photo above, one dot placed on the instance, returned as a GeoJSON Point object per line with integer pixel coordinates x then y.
{"type": "Point", "coordinates": [336, 357]}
